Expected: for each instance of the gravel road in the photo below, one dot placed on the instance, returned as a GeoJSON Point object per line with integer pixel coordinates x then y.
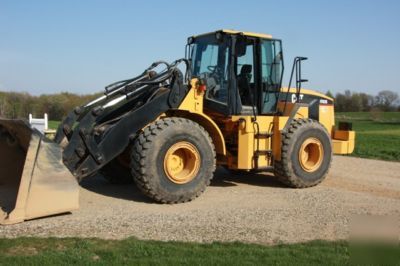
{"type": "Point", "coordinates": [251, 208]}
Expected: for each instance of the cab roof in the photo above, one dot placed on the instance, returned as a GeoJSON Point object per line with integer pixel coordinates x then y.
{"type": "Point", "coordinates": [246, 33]}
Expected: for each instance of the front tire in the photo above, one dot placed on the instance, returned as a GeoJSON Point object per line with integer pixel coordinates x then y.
{"type": "Point", "coordinates": [173, 160]}
{"type": "Point", "coordinates": [306, 154]}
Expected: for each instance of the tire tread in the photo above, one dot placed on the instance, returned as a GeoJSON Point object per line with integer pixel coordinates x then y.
{"type": "Point", "coordinates": [141, 150]}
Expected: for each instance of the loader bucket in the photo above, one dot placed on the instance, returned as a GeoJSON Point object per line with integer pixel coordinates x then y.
{"type": "Point", "coordinates": [33, 180]}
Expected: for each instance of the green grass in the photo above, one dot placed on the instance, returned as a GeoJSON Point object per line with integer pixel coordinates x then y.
{"type": "Point", "coordinates": [377, 134]}
{"type": "Point", "coordinates": [53, 124]}
{"type": "Point", "coordinates": [70, 251]}
{"type": "Point", "coordinates": [52, 251]}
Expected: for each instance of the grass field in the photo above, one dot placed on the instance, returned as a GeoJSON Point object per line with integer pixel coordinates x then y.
{"type": "Point", "coordinates": [53, 124]}
{"type": "Point", "coordinates": [68, 251]}
{"type": "Point", "coordinates": [377, 134]}
{"type": "Point", "coordinates": [88, 251]}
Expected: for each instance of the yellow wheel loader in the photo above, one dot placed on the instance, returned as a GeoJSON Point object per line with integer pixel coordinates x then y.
{"type": "Point", "coordinates": [168, 128]}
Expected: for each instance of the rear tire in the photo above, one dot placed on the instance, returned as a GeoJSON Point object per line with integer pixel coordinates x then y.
{"type": "Point", "coordinates": [306, 154]}
{"type": "Point", "coordinates": [173, 160]}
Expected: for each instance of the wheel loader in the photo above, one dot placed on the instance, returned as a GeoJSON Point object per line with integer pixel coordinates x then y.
{"type": "Point", "coordinates": [168, 129]}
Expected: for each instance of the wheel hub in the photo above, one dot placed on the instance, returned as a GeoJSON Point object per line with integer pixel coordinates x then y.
{"type": "Point", "coordinates": [182, 162]}
{"type": "Point", "coordinates": [311, 154]}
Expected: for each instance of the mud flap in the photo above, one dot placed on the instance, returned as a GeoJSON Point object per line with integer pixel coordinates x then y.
{"type": "Point", "coordinates": [33, 180]}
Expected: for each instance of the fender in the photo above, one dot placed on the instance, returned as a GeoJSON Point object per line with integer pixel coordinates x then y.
{"type": "Point", "coordinates": [192, 108]}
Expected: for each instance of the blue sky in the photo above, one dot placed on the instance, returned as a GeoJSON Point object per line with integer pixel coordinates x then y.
{"type": "Point", "coordinates": [81, 46]}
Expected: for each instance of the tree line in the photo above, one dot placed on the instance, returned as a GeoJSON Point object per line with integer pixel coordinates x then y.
{"type": "Point", "coordinates": [385, 101]}
{"type": "Point", "coordinates": [20, 105]}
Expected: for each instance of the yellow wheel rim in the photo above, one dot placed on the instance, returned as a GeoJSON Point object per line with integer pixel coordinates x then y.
{"type": "Point", "coordinates": [182, 162]}
{"type": "Point", "coordinates": [311, 154]}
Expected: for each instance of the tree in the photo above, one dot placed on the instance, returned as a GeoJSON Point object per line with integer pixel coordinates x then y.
{"type": "Point", "coordinates": [366, 101]}
{"type": "Point", "coordinates": [329, 94]}
{"type": "Point", "coordinates": [348, 101]}
{"type": "Point", "coordinates": [340, 102]}
{"type": "Point", "coordinates": [356, 104]}
{"type": "Point", "coordinates": [386, 100]}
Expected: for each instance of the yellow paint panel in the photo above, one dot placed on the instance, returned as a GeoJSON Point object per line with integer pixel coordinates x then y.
{"type": "Point", "coordinates": [279, 124]}
{"type": "Point", "coordinates": [343, 141]}
{"type": "Point", "coordinates": [249, 33]}
{"type": "Point", "coordinates": [308, 92]}
{"type": "Point", "coordinates": [344, 135]}
{"type": "Point", "coordinates": [343, 146]}
{"type": "Point", "coordinates": [247, 143]}
{"type": "Point", "coordinates": [327, 117]}
{"type": "Point", "coordinates": [302, 112]}
{"type": "Point", "coordinates": [193, 101]}
{"type": "Point", "coordinates": [192, 107]}
{"type": "Point", "coordinates": [246, 33]}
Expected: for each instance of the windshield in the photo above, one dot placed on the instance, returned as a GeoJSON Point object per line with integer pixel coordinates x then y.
{"type": "Point", "coordinates": [209, 60]}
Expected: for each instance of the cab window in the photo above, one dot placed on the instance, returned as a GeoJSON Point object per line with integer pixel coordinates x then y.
{"type": "Point", "coordinates": [210, 62]}
{"type": "Point", "coordinates": [245, 69]}
{"type": "Point", "coordinates": [271, 74]}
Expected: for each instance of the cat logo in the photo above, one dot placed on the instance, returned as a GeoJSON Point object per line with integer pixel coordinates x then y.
{"type": "Point", "coordinates": [294, 97]}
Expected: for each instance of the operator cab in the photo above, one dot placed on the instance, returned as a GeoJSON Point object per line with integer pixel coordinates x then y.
{"type": "Point", "coordinates": [243, 71]}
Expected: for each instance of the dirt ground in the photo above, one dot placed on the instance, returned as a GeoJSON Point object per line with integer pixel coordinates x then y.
{"type": "Point", "coordinates": [249, 208]}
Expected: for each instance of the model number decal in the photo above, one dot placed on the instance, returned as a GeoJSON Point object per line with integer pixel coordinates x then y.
{"type": "Point", "coordinates": [323, 101]}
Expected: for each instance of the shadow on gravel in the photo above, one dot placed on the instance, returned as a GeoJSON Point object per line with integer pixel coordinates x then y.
{"type": "Point", "coordinates": [98, 184]}
{"type": "Point", "coordinates": [226, 178]}
{"type": "Point", "coordinates": [222, 178]}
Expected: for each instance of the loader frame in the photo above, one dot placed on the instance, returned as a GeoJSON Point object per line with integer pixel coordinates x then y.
{"type": "Point", "coordinates": [90, 147]}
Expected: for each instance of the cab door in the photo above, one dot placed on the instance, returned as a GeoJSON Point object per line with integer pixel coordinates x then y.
{"type": "Point", "coordinates": [271, 75]}
{"type": "Point", "coordinates": [246, 74]}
